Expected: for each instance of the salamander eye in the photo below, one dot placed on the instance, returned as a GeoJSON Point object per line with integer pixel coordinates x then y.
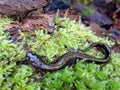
{"type": "Point", "coordinates": [30, 53]}
{"type": "Point", "coordinates": [33, 54]}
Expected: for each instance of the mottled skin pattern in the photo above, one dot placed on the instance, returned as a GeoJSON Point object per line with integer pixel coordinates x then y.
{"type": "Point", "coordinates": [69, 58]}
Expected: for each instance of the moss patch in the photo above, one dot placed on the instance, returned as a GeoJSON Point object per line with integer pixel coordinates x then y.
{"type": "Point", "coordinates": [72, 35]}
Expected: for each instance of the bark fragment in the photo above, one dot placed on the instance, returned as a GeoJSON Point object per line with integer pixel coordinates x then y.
{"type": "Point", "coordinates": [18, 7]}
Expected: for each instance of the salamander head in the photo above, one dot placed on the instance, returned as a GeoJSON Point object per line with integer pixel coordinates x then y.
{"type": "Point", "coordinates": [33, 59]}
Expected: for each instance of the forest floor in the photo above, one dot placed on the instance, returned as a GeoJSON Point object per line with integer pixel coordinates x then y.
{"type": "Point", "coordinates": [53, 34]}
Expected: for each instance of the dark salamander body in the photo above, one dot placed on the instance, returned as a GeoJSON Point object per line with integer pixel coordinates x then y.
{"type": "Point", "coordinates": [63, 60]}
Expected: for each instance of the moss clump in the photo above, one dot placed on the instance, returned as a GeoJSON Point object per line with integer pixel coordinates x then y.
{"type": "Point", "coordinates": [72, 35]}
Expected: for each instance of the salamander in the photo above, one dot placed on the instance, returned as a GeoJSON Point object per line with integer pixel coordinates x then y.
{"type": "Point", "coordinates": [68, 57]}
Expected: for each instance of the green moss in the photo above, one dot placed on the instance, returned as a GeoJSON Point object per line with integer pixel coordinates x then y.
{"type": "Point", "coordinates": [71, 35]}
